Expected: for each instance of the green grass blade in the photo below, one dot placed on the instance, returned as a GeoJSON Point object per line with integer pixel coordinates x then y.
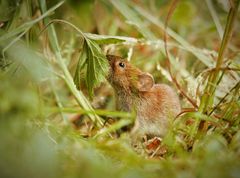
{"type": "Point", "coordinates": [80, 98]}
{"type": "Point", "coordinates": [213, 80]}
{"type": "Point", "coordinates": [28, 25]}
{"type": "Point", "coordinates": [195, 51]}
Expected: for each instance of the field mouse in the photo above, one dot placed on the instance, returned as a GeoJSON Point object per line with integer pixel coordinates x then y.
{"type": "Point", "coordinates": [155, 104]}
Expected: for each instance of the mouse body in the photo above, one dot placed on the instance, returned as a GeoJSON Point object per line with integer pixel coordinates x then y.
{"type": "Point", "coordinates": [155, 104]}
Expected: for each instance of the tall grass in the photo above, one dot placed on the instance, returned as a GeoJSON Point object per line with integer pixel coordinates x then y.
{"type": "Point", "coordinates": [57, 114]}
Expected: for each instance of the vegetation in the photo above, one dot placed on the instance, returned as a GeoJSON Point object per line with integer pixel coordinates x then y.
{"type": "Point", "coordinates": [57, 111]}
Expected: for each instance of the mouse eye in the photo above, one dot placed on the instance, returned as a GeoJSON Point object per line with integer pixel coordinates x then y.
{"type": "Point", "coordinates": [121, 64]}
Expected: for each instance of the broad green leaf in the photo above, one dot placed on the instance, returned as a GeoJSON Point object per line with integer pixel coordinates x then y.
{"type": "Point", "coordinates": [90, 72]}
{"type": "Point", "coordinates": [80, 66]}
{"type": "Point", "coordinates": [97, 65]}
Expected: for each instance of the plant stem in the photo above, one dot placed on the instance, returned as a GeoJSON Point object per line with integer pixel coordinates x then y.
{"type": "Point", "coordinates": [209, 93]}
{"type": "Point", "coordinates": [80, 98]}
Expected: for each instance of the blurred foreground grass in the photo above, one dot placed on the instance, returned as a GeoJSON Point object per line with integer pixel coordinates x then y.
{"type": "Point", "coordinates": [49, 128]}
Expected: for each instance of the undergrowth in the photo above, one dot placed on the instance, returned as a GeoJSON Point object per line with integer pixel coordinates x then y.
{"type": "Point", "coordinates": [57, 112]}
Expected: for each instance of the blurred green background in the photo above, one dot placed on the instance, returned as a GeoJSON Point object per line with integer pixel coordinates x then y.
{"type": "Point", "coordinates": [48, 128]}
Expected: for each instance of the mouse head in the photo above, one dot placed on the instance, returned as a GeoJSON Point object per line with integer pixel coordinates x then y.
{"type": "Point", "coordinates": [127, 78]}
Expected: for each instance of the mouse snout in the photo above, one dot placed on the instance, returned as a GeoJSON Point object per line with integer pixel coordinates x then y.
{"type": "Point", "coordinates": [111, 59]}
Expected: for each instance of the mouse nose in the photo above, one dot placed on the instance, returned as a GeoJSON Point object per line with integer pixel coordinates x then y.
{"type": "Point", "coordinates": [109, 57]}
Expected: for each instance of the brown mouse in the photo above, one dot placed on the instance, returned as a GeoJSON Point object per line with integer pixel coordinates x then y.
{"type": "Point", "coordinates": [155, 104]}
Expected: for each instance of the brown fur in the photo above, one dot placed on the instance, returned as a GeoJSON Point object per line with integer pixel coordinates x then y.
{"type": "Point", "coordinates": [155, 104]}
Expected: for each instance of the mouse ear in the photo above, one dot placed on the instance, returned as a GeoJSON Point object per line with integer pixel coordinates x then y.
{"type": "Point", "coordinates": [146, 82]}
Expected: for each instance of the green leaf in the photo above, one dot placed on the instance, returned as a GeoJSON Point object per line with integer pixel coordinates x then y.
{"type": "Point", "coordinates": [94, 60]}
{"type": "Point", "coordinates": [97, 65]}
{"type": "Point", "coordinates": [80, 66]}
